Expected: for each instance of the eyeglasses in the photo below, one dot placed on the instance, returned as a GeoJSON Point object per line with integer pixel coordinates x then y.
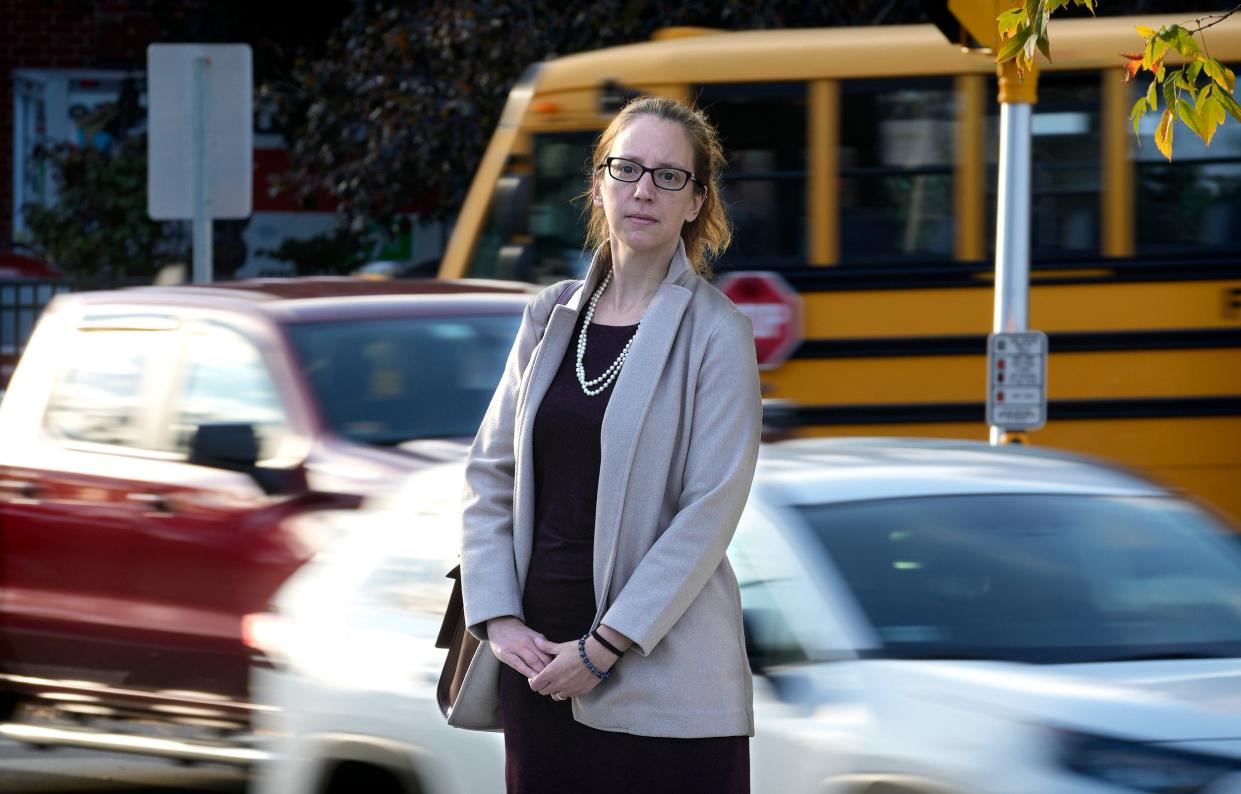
{"type": "Point", "coordinates": [665, 178]}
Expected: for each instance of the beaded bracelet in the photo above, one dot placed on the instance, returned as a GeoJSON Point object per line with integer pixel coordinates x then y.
{"type": "Point", "coordinates": [607, 646]}
{"type": "Point", "coordinates": [581, 651]}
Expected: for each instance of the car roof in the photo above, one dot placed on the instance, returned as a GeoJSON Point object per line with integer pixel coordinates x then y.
{"type": "Point", "coordinates": [322, 297]}
{"type": "Point", "coordinates": [821, 470]}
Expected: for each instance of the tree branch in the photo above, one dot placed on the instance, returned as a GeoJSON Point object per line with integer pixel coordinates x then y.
{"type": "Point", "coordinates": [1217, 17]}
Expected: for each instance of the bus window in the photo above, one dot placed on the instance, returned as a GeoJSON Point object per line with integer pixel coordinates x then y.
{"type": "Point", "coordinates": [1191, 205]}
{"type": "Point", "coordinates": [896, 147]}
{"type": "Point", "coordinates": [763, 130]}
{"type": "Point", "coordinates": [557, 220]}
{"type": "Point", "coordinates": [485, 259]}
{"type": "Point", "coordinates": [1064, 167]}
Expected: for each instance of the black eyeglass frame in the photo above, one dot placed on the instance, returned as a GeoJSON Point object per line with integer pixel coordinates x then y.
{"type": "Point", "coordinates": [607, 163]}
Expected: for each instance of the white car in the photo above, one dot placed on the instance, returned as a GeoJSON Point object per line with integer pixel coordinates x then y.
{"type": "Point", "coordinates": [924, 617]}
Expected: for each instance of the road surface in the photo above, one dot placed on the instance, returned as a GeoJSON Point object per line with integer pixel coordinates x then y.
{"type": "Point", "coordinates": [68, 770]}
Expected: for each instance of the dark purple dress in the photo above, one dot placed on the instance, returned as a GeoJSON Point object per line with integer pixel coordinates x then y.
{"type": "Point", "coordinates": [546, 750]}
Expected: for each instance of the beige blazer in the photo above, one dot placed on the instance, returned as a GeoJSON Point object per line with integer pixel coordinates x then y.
{"type": "Point", "coordinates": [679, 445]}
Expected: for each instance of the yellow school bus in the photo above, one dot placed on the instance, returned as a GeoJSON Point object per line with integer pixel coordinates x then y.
{"type": "Point", "coordinates": [862, 167]}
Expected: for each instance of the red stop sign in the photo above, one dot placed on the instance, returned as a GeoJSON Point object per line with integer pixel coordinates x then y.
{"type": "Point", "coordinates": [773, 307]}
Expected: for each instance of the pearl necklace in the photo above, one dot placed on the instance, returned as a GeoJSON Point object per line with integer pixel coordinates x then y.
{"type": "Point", "coordinates": [598, 385]}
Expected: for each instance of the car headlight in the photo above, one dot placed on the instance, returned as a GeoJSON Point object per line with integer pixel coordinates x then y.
{"type": "Point", "coordinates": [1141, 767]}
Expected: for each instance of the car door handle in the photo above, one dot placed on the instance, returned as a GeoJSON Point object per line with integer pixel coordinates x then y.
{"type": "Point", "coordinates": [154, 502]}
{"type": "Point", "coordinates": [19, 489]}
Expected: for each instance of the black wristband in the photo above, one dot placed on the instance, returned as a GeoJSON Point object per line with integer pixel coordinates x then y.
{"type": "Point", "coordinates": [606, 645]}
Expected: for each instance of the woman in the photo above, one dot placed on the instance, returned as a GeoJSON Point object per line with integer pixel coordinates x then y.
{"type": "Point", "coordinates": [604, 486]}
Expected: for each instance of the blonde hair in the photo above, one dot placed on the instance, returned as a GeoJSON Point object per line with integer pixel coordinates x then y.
{"type": "Point", "coordinates": [708, 235]}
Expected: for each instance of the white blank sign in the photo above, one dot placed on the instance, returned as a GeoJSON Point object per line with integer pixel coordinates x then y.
{"type": "Point", "coordinates": [230, 123]}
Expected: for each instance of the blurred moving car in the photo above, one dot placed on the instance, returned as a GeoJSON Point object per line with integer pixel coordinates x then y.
{"type": "Point", "coordinates": [156, 443]}
{"type": "Point", "coordinates": [394, 268]}
{"type": "Point", "coordinates": [923, 617]}
{"type": "Point", "coordinates": [19, 261]}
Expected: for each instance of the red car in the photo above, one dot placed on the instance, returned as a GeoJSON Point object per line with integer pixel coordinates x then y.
{"type": "Point", "coordinates": [155, 441]}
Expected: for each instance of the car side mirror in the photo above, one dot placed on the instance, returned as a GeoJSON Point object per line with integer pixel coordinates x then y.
{"type": "Point", "coordinates": [234, 446]}
{"type": "Point", "coordinates": [225, 445]}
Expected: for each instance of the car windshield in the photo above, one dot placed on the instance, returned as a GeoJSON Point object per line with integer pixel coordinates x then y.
{"type": "Point", "coordinates": [1038, 578]}
{"type": "Point", "coordinates": [392, 380]}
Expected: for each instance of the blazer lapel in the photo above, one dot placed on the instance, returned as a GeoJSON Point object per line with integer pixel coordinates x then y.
{"type": "Point", "coordinates": [622, 421]}
{"type": "Point", "coordinates": [547, 358]}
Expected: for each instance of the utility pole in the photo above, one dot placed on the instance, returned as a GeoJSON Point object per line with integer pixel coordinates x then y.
{"type": "Point", "coordinates": [1016, 357]}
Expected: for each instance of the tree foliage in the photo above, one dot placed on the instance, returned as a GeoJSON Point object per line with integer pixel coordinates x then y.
{"type": "Point", "coordinates": [1197, 89]}
{"type": "Point", "coordinates": [98, 226]}
{"type": "Point", "coordinates": [397, 113]}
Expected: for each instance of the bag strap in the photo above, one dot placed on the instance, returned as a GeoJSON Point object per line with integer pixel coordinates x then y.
{"type": "Point", "coordinates": [567, 292]}
{"type": "Point", "coordinates": [561, 300]}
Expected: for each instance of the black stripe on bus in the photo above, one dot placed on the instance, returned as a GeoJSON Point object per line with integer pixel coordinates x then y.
{"type": "Point", "coordinates": [976, 345]}
{"type": "Point", "coordinates": [1057, 410]}
{"type": "Point", "coordinates": [886, 276]}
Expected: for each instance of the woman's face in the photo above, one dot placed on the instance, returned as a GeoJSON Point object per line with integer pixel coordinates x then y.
{"type": "Point", "coordinates": [640, 216]}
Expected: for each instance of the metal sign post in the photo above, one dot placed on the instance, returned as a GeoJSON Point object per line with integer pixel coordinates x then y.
{"type": "Point", "coordinates": [200, 144]}
{"type": "Point", "coordinates": [1012, 237]}
{"type": "Point", "coordinates": [199, 168]}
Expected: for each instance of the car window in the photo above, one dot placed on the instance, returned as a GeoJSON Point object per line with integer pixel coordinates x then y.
{"type": "Point", "coordinates": [226, 380]}
{"type": "Point", "coordinates": [398, 379]}
{"type": "Point", "coordinates": [787, 620]}
{"type": "Point", "coordinates": [105, 382]}
{"type": "Point", "coordinates": [1038, 578]}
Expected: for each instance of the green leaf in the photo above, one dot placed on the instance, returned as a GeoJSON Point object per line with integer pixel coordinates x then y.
{"type": "Point", "coordinates": [1229, 104]}
{"type": "Point", "coordinates": [1145, 32]}
{"type": "Point", "coordinates": [1012, 46]}
{"type": "Point", "coordinates": [1220, 74]}
{"type": "Point", "coordinates": [1163, 135]}
{"type": "Point", "coordinates": [1210, 116]}
{"type": "Point", "coordinates": [1139, 110]}
{"type": "Point", "coordinates": [1009, 20]}
{"type": "Point", "coordinates": [1160, 45]}
{"type": "Point", "coordinates": [1169, 94]}
{"type": "Point", "coordinates": [1026, 61]}
{"type": "Point", "coordinates": [1193, 70]}
{"type": "Point", "coordinates": [1032, 9]}
{"type": "Point", "coordinates": [1189, 116]}
{"type": "Point", "coordinates": [1217, 109]}
{"type": "Point", "coordinates": [1184, 42]}
{"type": "Point", "coordinates": [1152, 96]}
{"type": "Point", "coordinates": [1044, 46]}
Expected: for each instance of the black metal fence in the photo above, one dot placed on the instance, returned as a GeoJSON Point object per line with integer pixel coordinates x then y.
{"type": "Point", "coordinates": [21, 302]}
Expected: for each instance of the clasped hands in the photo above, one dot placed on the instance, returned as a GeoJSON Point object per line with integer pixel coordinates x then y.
{"type": "Point", "coordinates": [552, 668]}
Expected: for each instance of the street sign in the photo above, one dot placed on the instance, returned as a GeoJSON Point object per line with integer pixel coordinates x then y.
{"type": "Point", "coordinates": [200, 149]}
{"type": "Point", "coordinates": [229, 129]}
{"type": "Point", "coordinates": [1017, 380]}
{"type": "Point", "coordinates": [773, 307]}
